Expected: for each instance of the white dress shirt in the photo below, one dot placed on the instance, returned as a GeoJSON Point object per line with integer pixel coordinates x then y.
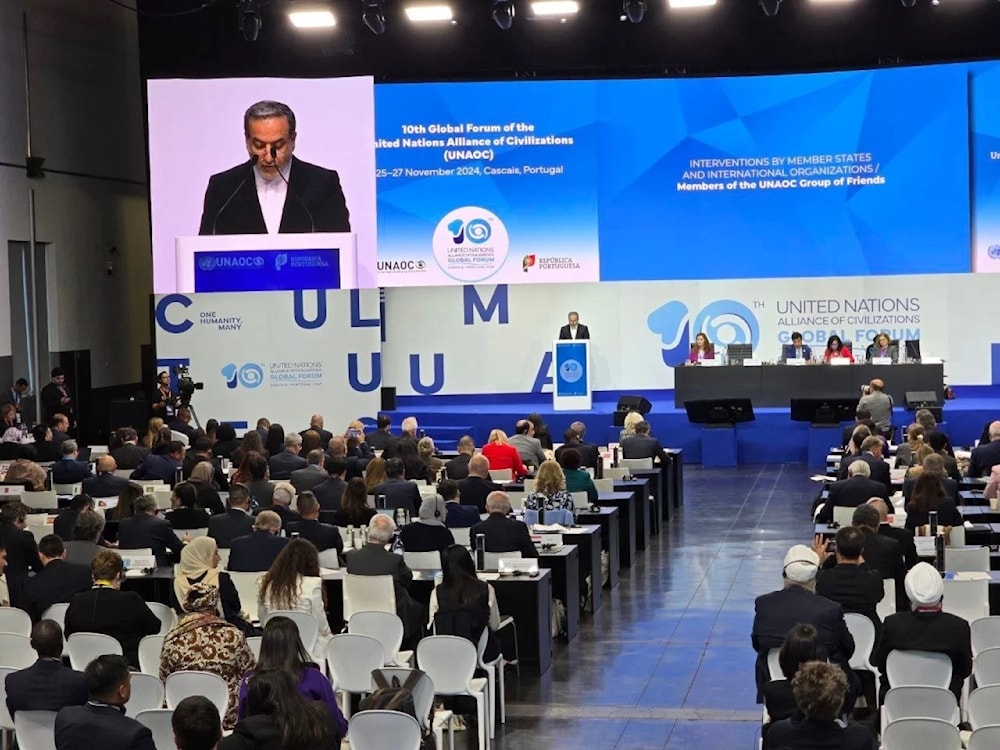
{"type": "Point", "coordinates": [271, 195]}
{"type": "Point", "coordinates": [572, 332]}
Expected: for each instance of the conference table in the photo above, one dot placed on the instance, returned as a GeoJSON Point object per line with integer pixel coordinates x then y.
{"type": "Point", "coordinates": [776, 385]}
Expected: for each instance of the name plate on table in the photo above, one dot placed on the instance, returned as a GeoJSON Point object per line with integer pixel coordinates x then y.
{"type": "Point", "coordinates": [751, 363]}
{"type": "Point", "coordinates": [710, 362]}
{"type": "Point", "coordinates": [839, 361]}
{"type": "Point", "coordinates": [931, 361]}
{"type": "Point", "coordinates": [135, 564]}
{"type": "Point", "coordinates": [881, 360]}
{"type": "Point", "coordinates": [509, 566]}
{"type": "Point", "coordinates": [795, 362]}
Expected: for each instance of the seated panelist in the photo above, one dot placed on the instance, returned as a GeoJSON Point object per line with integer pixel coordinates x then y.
{"type": "Point", "coordinates": [884, 348]}
{"type": "Point", "coordinates": [796, 349]}
{"type": "Point", "coordinates": [701, 349]}
{"type": "Point", "coordinates": [835, 349]}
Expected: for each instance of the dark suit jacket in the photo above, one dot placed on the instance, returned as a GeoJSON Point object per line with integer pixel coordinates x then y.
{"type": "Point", "coordinates": [807, 734]}
{"type": "Point", "coordinates": [948, 515]}
{"type": "Point", "coordinates": [589, 456]}
{"type": "Point", "coordinates": [226, 527]}
{"type": "Point", "coordinates": [474, 491]}
{"type": "Point", "coordinates": [323, 535]}
{"type": "Point", "coordinates": [399, 493]}
{"type": "Point", "coordinates": [104, 485]}
{"type": "Point", "coordinates": [307, 478]}
{"type": "Point", "coordinates": [188, 518]}
{"type": "Point", "coordinates": [879, 468]}
{"type": "Point", "coordinates": [129, 456]}
{"type": "Point", "coordinates": [779, 611]}
{"type": "Point", "coordinates": [47, 450]}
{"type": "Point", "coordinates": [424, 537]}
{"type": "Point", "coordinates": [850, 493]}
{"type": "Point", "coordinates": [884, 554]}
{"type": "Point", "coordinates": [63, 524]}
{"type": "Point", "coordinates": [643, 446]}
{"type": "Point", "coordinates": [57, 582]}
{"type": "Point", "coordinates": [461, 516]}
{"type": "Point", "coordinates": [378, 440]}
{"type": "Point", "coordinates": [458, 467]}
{"type": "Point", "coordinates": [182, 427]}
{"type": "Point", "coordinates": [941, 632]}
{"type": "Point", "coordinates": [903, 537]}
{"type": "Point", "coordinates": [391, 449]}
{"type": "Point", "coordinates": [330, 492]}
{"type": "Point", "coordinates": [255, 552]}
{"type": "Point", "coordinates": [984, 457]}
{"type": "Point", "coordinates": [22, 556]}
{"type": "Point", "coordinates": [144, 530]}
{"type": "Point", "coordinates": [157, 467]}
{"type": "Point", "coordinates": [287, 515]}
{"type": "Point", "coordinates": [45, 686]}
{"type": "Point", "coordinates": [81, 727]}
{"type": "Point", "coordinates": [504, 535]}
{"type": "Point", "coordinates": [121, 614]}
{"type": "Point", "coordinates": [68, 471]}
{"type": "Point", "coordinates": [582, 332]}
{"type": "Point", "coordinates": [375, 560]}
{"type": "Point", "coordinates": [318, 188]}
{"type": "Point", "coordinates": [51, 396]}
{"type": "Point", "coordinates": [856, 588]}
{"type": "Point", "coordinates": [284, 464]}
{"type": "Point", "coordinates": [262, 491]}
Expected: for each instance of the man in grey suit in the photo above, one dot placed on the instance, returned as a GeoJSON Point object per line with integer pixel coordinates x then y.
{"type": "Point", "coordinates": [312, 474]}
{"type": "Point", "coordinates": [643, 445]}
{"type": "Point", "coordinates": [289, 460]}
{"type": "Point", "coordinates": [399, 492]}
{"type": "Point", "coordinates": [527, 444]}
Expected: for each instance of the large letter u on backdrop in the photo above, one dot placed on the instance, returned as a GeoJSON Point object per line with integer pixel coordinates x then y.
{"type": "Point", "coordinates": [355, 380]}
{"type": "Point", "coordinates": [438, 382]}
{"type": "Point", "coordinates": [300, 311]}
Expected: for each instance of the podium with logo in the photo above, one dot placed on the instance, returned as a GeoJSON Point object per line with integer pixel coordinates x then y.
{"type": "Point", "coordinates": [266, 262]}
{"type": "Point", "coordinates": [571, 363]}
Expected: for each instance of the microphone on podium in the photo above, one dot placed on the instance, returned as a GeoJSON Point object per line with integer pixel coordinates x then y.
{"type": "Point", "coordinates": [251, 164]}
{"type": "Point", "coordinates": [312, 223]}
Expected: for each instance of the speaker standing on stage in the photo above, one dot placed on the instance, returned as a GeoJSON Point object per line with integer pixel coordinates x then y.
{"type": "Point", "coordinates": [575, 329]}
{"type": "Point", "coordinates": [273, 192]}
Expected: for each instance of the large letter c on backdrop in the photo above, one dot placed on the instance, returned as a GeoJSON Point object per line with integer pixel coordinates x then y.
{"type": "Point", "coordinates": [161, 313]}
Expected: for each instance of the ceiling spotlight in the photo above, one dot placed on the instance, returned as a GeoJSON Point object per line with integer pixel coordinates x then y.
{"type": "Point", "coordinates": [770, 7]}
{"type": "Point", "coordinates": [503, 13]}
{"type": "Point", "coordinates": [634, 10]}
{"type": "Point", "coordinates": [311, 15]}
{"type": "Point", "coordinates": [428, 13]}
{"type": "Point", "coordinates": [908, 3]}
{"type": "Point", "coordinates": [373, 14]}
{"type": "Point", "coordinates": [559, 8]}
{"type": "Point", "coordinates": [248, 17]}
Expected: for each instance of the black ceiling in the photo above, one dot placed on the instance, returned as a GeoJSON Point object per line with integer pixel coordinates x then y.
{"type": "Point", "coordinates": [732, 37]}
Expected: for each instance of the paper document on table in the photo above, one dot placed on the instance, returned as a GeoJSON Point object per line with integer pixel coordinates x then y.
{"type": "Point", "coordinates": [552, 527]}
{"type": "Point", "coordinates": [821, 478]}
{"type": "Point", "coordinates": [488, 576]}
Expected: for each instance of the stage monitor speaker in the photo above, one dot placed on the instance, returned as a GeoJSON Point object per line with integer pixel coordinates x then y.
{"type": "Point", "coordinates": [634, 403]}
{"type": "Point", "coordinates": [922, 400]}
{"type": "Point", "coordinates": [388, 399]}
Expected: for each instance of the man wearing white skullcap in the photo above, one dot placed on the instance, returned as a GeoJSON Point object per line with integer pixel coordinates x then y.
{"type": "Point", "coordinates": [797, 604]}
{"type": "Point", "coordinates": [926, 628]}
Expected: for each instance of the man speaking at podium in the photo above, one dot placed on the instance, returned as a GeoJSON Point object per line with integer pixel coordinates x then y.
{"type": "Point", "coordinates": [273, 192]}
{"type": "Point", "coordinates": [575, 329]}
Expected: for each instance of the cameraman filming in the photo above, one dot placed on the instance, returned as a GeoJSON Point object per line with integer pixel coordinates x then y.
{"type": "Point", "coordinates": [165, 401]}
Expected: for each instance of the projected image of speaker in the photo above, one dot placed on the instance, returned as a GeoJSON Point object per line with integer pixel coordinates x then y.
{"type": "Point", "coordinates": [630, 403]}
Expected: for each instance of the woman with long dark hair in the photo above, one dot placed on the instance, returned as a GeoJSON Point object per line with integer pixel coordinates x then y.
{"type": "Point", "coordinates": [279, 718]}
{"type": "Point", "coordinates": [928, 495]}
{"type": "Point", "coordinates": [354, 509]}
{"type": "Point", "coordinates": [541, 430]}
{"type": "Point", "coordinates": [275, 442]}
{"type": "Point", "coordinates": [414, 467]}
{"type": "Point", "coordinates": [802, 644]}
{"type": "Point", "coordinates": [463, 605]}
{"type": "Point", "coordinates": [282, 649]}
{"type": "Point", "coordinates": [252, 443]}
{"type": "Point", "coordinates": [375, 473]}
{"type": "Point", "coordinates": [294, 583]}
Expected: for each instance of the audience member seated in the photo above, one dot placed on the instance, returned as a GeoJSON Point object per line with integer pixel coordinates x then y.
{"type": "Point", "coordinates": [628, 426]}
{"type": "Point", "coordinates": [57, 582]}
{"type": "Point", "coordinates": [86, 538]}
{"type": "Point", "coordinates": [413, 467]}
{"type": "Point", "coordinates": [260, 487]}
{"type": "Point", "coordinates": [550, 486]}
{"type": "Point", "coordinates": [293, 582]}
{"type": "Point", "coordinates": [871, 453]}
{"type": "Point", "coordinates": [380, 438]}
{"type": "Point", "coordinates": [938, 442]}
{"type": "Point", "coordinates": [236, 521]}
{"type": "Point", "coordinates": [45, 448]}
{"type": "Point", "coordinates": [281, 649]}
{"type": "Point", "coordinates": [284, 463]}
{"type": "Point", "coordinates": [856, 490]}
{"type": "Point", "coordinates": [185, 513]}
{"type": "Point", "coordinates": [147, 530]}
{"type": "Point", "coordinates": [105, 484]}
{"type": "Point", "coordinates": [126, 502]}
{"type": "Point", "coordinates": [68, 470]}
{"type": "Point", "coordinates": [196, 724]}
{"type": "Point", "coordinates": [324, 536]}
{"type": "Point", "coordinates": [256, 552]}
{"type": "Point", "coordinates": [993, 485]}
{"type": "Point", "coordinates": [541, 430]}
{"type": "Point", "coordinates": [356, 465]}
{"type": "Point", "coordinates": [46, 685]}
{"type": "Point", "coordinates": [903, 537]}
{"type": "Point", "coordinates": [458, 516]}
{"type": "Point", "coordinates": [590, 457]}
{"type": "Point", "coordinates": [152, 435]}
{"type": "Point", "coordinates": [354, 508]}
{"type": "Point", "coordinates": [281, 503]}
{"type": "Point", "coordinates": [884, 553]}
{"type": "Point", "coordinates": [474, 489]}
{"type": "Point", "coordinates": [330, 491]}
{"type": "Point", "coordinates": [373, 559]}
{"type": "Point", "coordinates": [22, 552]}
{"type": "Point", "coordinates": [200, 565]}
{"type": "Point", "coordinates": [426, 451]}
{"type": "Point", "coordinates": [60, 428]}
{"type": "Point", "coordinates": [375, 474]}
{"type": "Point", "coordinates": [101, 722]}
{"type": "Point", "coordinates": [207, 492]}
{"type": "Point", "coordinates": [853, 448]}
{"type": "Point", "coordinates": [226, 442]}
{"type": "Point", "coordinates": [986, 455]}
{"type": "Point", "coordinates": [502, 455]}
{"type": "Point", "coordinates": [503, 534]}
{"type": "Point", "coordinates": [463, 605]}
{"type": "Point", "coordinates": [528, 446]}
{"type": "Point", "coordinates": [312, 474]}
{"type": "Point", "coordinates": [129, 454]}
{"type": "Point", "coordinates": [796, 603]}
{"type": "Point", "coordinates": [458, 467]}
{"type": "Point", "coordinates": [914, 440]}
{"type": "Point", "coordinates": [819, 689]}
{"type": "Point", "coordinates": [643, 445]}
{"type": "Point", "coordinates": [66, 520]}
{"type": "Point", "coordinates": [801, 645]}
{"type": "Point", "coordinates": [928, 495]}
{"type": "Point", "coordinates": [429, 533]}
{"type": "Point", "coordinates": [107, 609]}
{"type": "Point", "coordinates": [204, 642]}
{"type": "Point", "coordinates": [933, 465]}
{"type": "Point", "coordinates": [182, 423]}
{"type": "Point", "coordinates": [409, 430]}
{"type": "Point", "coordinates": [398, 492]}
{"type": "Point", "coordinates": [318, 425]}
{"type": "Point", "coordinates": [162, 466]}
{"type": "Point", "coordinates": [926, 628]}
{"type": "Point", "coordinates": [27, 471]}
{"type": "Point", "coordinates": [860, 416]}
{"type": "Point", "coordinates": [577, 479]}
{"type": "Point", "coordinates": [850, 582]}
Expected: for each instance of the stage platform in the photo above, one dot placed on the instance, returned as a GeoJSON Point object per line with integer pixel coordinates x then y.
{"type": "Point", "coordinates": [772, 438]}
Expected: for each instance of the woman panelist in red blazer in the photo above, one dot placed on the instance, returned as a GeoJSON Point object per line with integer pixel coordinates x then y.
{"type": "Point", "coordinates": [503, 455]}
{"type": "Point", "coordinates": [835, 348]}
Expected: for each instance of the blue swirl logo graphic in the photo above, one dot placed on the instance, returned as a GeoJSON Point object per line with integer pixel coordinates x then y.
{"type": "Point", "coordinates": [250, 375]}
{"type": "Point", "coordinates": [724, 321]}
{"type": "Point", "coordinates": [478, 231]}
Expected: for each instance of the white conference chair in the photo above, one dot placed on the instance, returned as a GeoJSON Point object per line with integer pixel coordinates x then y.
{"type": "Point", "coordinates": [516, 503]}
{"type": "Point", "coordinates": [387, 629]}
{"type": "Point", "coordinates": [529, 486]}
{"type": "Point", "coordinates": [773, 665]}
{"type": "Point", "coordinates": [580, 500]}
{"type": "Point", "coordinates": [68, 489]}
{"type": "Point", "coordinates": [985, 738]}
{"type": "Point", "coordinates": [306, 623]}
{"type": "Point", "coordinates": [921, 734]}
{"type": "Point", "coordinates": [615, 473]}
{"type": "Point", "coordinates": [450, 662]}
{"type": "Point", "coordinates": [56, 613]}
{"type": "Point", "coordinates": [985, 634]}
{"type": "Point", "coordinates": [863, 631]}
{"type": "Point", "coordinates": [843, 516]}
{"type": "Point", "coordinates": [500, 475]}
{"type": "Point", "coordinates": [986, 668]}
{"type": "Point", "coordinates": [636, 464]}
{"type": "Point", "coordinates": [605, 485]}
{"type": "Point", "coordinates": [147, 694]}
{"type": "Point", "coordinates": [423, 704]}
{"type": "Point", "coordinates": [494, 682]}
{"type": "Point", "coordinates": [158, 721]}
{"type": "Point", "coordinates": [422, 560]}
{"type": "Point", "coordinates": [919, 702]}
{"type": "Point", "coordinates": [193, 533]}
{"type": "Point", "coordinates": [16, 651]}
{"type": "Point", "coordinates": [150, 649]}
{"type": "Point", "coordinates": [167, 617]}
{"type": "Point", "coordinates": [14, 620]}
{"type": "Point", "coordinates": [180, 685]}
{"type": "Point", "coordinates": [967, 559]}
{"type": "Point", "coordinates": [253, 642]}
{"type": "Point", "coordinates": [905, 668]}
{"type": "Point", "coordinates": [887, 606]}
{"type": "Point", "coordinates": [969, 600]}
{"type": "Point", "coordinates": [351, 659]}
{"type": "Point", "coordinates": [35, 730]}
{"type": "Point", "coordinates": [463, 536]}
{"type": "Point", "coordinates": [492, 559]}
{"type": "Point", "coordinates": [329, 559]}
{"type": "Point", "coordinates": [368, 594]}
{"type": "Point", "coordinates": [384, 730]}
{"type": "Point", "coordinates": [6, 720]}
{"type": "Point", "coordinates": [83, 648]}
{"type": "Point", "coordinates": [982, 706]}
{"type": "Point", "coordinates": [248, 587]}
{"type": "Point", "coordinates": [41, 500]}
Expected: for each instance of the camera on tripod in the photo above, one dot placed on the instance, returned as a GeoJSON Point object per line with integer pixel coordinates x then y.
{"type": "Point", "coordinates": [186, 385]}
